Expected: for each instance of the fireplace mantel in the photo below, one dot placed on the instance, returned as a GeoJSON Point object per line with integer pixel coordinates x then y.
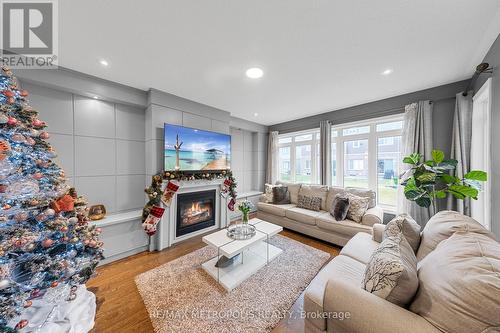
{"type": "Point", "coordinates": [165, 235]}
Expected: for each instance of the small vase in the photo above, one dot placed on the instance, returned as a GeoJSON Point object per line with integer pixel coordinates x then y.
{"type": "Point", "coordinates": [244, 218]}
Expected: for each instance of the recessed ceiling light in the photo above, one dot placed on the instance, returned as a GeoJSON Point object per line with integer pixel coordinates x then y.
{"type": "Point", "coordinates": [96, 97]}
{"type": "Point", "coordinates": [387, 71]}
{"type": "Point", "coordinates": [254, 73]}
{"type": "Point", "coordinates": [255, 114]}
{"type": "Point", "coordinates": [104, 63]}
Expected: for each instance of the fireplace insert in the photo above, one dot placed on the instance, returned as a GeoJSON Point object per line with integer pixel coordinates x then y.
{"type": "Point", "coordinates": [195, 211]}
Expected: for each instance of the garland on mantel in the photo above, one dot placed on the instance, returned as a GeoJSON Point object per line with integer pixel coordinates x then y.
{"type": "Point", "coordinates": [154, 191]}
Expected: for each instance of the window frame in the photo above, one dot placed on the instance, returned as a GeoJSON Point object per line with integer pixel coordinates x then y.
{"type": "Point", "coordinates": [314, 143]}
{"type": "Point", "coordinates": [373, 151]}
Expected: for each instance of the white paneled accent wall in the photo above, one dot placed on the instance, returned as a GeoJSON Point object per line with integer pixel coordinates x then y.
{"type": "Point", "coordinates": [100, 145]}
{"type": "Point", "coordinates": [248, 160]}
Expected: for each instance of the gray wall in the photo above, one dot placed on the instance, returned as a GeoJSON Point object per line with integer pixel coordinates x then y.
{"type": "Point", "coordinates": [444, 106]}
{"type": "Point", "coordinates": [100, 145]}
{"type": "Point", "coordinates": [493, 58]}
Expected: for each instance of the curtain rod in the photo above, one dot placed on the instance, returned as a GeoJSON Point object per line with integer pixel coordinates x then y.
{"type": "Point", "coordinates": [480, 69]}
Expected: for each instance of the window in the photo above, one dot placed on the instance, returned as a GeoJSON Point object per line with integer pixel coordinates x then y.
{"type": "Point", "coordinates": [298, 158]}
{"type": "Point", "coordinates": [368, 155]}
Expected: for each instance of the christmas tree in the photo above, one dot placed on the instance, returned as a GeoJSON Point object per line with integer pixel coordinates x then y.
{"type": "Point", "coordinates": [46, 243]}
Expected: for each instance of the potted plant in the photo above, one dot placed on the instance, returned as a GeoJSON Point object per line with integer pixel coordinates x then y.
{"type": "Point", "coordinates": [429, 180]}
{"type": "Point", "coordinates": [245, 207]}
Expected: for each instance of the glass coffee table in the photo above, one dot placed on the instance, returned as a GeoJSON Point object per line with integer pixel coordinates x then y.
{"type": "Point", "coordinates": [254, 253]}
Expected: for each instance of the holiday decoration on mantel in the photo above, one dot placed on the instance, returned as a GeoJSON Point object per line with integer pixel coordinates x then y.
{"type": "Point", "coordinates": [47, 248]}
{"type": "Point", "coordinates": [155, 196]}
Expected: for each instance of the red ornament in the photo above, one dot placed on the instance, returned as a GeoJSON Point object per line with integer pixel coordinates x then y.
{"type": "Point", "coordinates": [3, 188]}
{"type": "Point", "coordinates": [8, 93]}
{"type": "Point", "coordinates": [38, 123]}
{"type": "Point", "coordinates": [12, 121]}
{"type": "Point", "coordinates": [21, 324]}
{"type": "Point", "coordinates": [24, 93]}
{"type": "Point", "coordinates": [54, 284]}
{"type": "Point", "coordinates": [27, 304]}
{"type": "Point", "coordinates": [47, 242]}
{"type": "Point", "coordinates": [38, 175]}
{"type": "Point", "coordinates": [44, 135]}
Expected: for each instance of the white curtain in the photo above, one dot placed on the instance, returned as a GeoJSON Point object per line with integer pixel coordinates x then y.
{"type": "Point", "coordinates": [461, 146]}
{"type": "Point", "coordinates": [325, 135]}
{"type": "Point", "coordinates": [272, 158]}
{"type": "Point", "coordinates": [417, 138]}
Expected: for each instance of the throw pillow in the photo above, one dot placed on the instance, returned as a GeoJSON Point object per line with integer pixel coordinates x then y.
{"type": "Point", "coordinates": [370, 194]}
{"type": "Point", "coordinates": [340, 207]}
{"type": "Point", "coordinates": [311, 203]}
{"type": "Point", "coordinates": [406, 225]}
{"type": "Point", "coordinates": [391, 272]}
{"type": "Point", "coordinates": [281, 196]}
{"type": "Point", "coordinates": [268, 192]}
{"type": "Point", "coordinates": [357, 206]}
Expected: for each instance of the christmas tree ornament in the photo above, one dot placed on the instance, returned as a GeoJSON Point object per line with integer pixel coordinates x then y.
{"type": "Point", "coordinates": [169, 192]}
{"type": "Point", "coordinates": [11, 121]}
{"type": "Point", "coordinates": [44, 135]}
{"type": "Point", "coordinates": [150, 224]}
{"type": "Point", "coordinates": [3, 119]}
{"type": "Point", "coordinates": [64, 204]}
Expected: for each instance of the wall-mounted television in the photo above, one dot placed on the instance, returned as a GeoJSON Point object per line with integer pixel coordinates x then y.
{"type": "Point", "coordinates": [190, 149]}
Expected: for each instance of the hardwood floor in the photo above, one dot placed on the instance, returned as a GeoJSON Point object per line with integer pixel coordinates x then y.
{"type": "Point", "coordinates": [120, 307]}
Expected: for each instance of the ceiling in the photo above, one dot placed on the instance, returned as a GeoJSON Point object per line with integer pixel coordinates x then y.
{"type": "Point", "coordinates": [317, 55]}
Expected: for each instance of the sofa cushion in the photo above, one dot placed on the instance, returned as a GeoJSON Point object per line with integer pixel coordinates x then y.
{"type": "Point", "coordinates": [373, 216]}
{"type": "Point", "coordinates": [444, 224]}
{"type": "Point", "coordinates": [332, 192]}
{"type": "Point", "coordinates": [391, 272]}
{"type": "Point", "coordinates": [406, 225]}
{"type": "Point", "coordinates": [346, 227]}
{"type": "Point", "coordinates": [278, 210]}
{"type": "Point", "coordinates": [364, 193]}
{"type": "Point", "coordinates": [360, 247]}
{"type": "Point", "coordinates": [319, 191]}
{"type": "Point", "coordinates": [342, 267]}
{"type": "Point", "coordinates": [460, 284]}
{"type": "Point", "coordinates": [293, 189]}
{"type": "Point", "coordinates": [303, 215]}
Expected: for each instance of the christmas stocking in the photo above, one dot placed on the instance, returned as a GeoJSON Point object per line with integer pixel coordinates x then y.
{"type": "Point", "coordinates": [231, 204]}
{"type": "Point", "coordinates": [225, 187]}
{"type": "Point", "coordinates": [150, 224]}
{"type": "Point", "coordinates": [169, 192]}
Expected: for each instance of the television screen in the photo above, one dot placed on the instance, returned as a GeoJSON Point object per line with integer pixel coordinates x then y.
{"type": "Point", "coordinates": [189, 149]}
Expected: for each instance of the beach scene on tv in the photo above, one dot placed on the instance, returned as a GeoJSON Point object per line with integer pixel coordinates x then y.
{"type": "Point", "coordinates": [192, 149]}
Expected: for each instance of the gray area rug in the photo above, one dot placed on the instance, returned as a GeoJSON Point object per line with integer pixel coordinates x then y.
{"type": "Point", "coordinates": [181, 297]}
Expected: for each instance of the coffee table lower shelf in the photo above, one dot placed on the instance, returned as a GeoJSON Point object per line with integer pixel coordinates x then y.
{"type": "Point", "coordinates": [250, 261]}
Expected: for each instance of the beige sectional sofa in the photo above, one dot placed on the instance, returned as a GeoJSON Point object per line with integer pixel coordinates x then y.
{"type": "Point", "coordinates": [319, 224]}
{"type": "Point", "coordinates": [459, 284]}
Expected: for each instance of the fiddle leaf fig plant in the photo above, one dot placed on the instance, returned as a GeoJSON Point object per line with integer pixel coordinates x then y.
{"type": "Point", "coordinates": [426, 181]}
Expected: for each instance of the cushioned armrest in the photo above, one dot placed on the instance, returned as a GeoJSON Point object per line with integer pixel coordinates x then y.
{"type": "Point", "coordinates": [364, 312]}
{"type": "Point", "coordinates": [378, 232]}
{"type": "Point", "coordinates": [372, 216]}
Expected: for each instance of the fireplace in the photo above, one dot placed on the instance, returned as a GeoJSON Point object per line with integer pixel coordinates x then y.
{"type": "Point", "coordinates": [195, 211]}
